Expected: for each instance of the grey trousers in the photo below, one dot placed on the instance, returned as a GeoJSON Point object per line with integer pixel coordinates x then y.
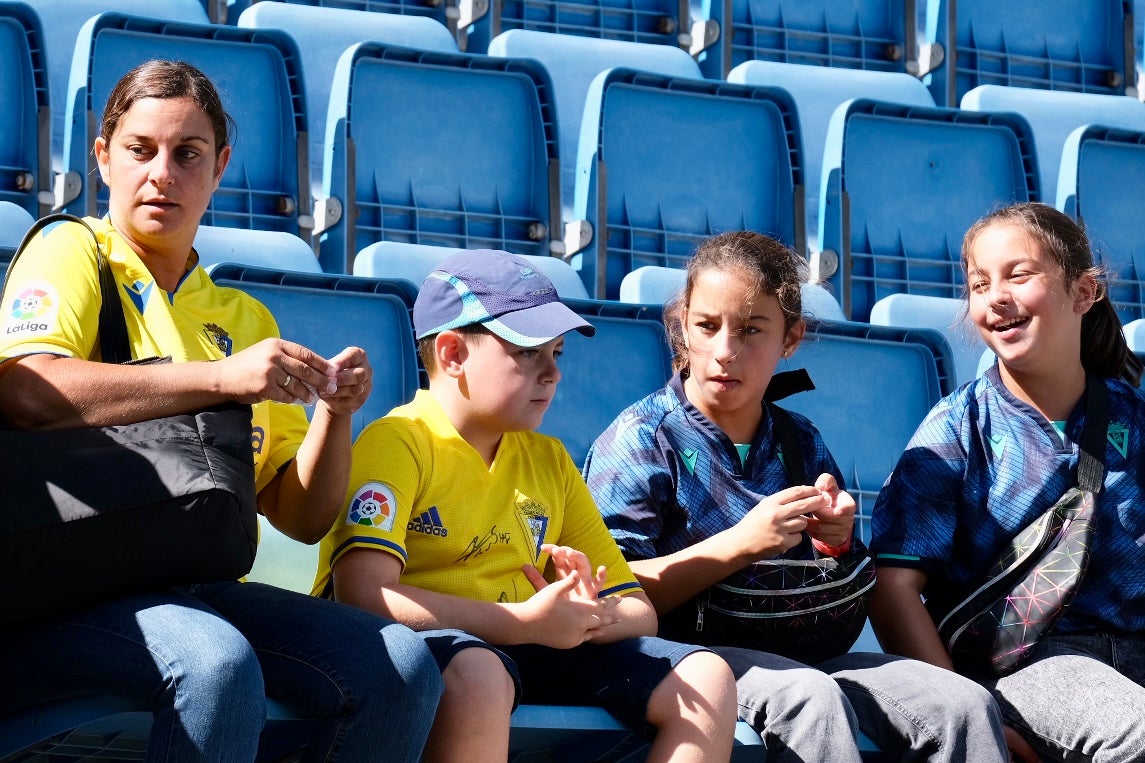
{"type": "Point", "coordinates": [915, 711]}
{"type": "Point", "coordinates": [1080, 698]}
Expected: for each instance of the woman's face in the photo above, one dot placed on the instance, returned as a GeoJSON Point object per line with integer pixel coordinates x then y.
{"type": "Point", "coordinates": [161, 168]}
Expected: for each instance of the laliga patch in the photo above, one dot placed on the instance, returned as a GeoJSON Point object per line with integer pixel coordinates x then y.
{"type": "Point", "coordinates": [373, 506]}
{"type": "Point", "coordinates": [32, 310]}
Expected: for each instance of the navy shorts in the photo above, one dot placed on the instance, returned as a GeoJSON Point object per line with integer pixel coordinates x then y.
{"type": "Point", "coordinates": [620, 677]}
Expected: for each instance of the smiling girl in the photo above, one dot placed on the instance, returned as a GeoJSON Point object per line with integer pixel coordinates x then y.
{"type": "Point", "coordinates": [1001, 450]}
{"type": "Point", "coordinates": [692, 485]}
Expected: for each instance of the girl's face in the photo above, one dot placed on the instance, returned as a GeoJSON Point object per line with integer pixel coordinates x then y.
{"type": "Point", "coordinates": [735, 336]}
{"type": "Point", "coordinates": [1021, 305]}
{"type": "Point", "coordinates": [161, 168]}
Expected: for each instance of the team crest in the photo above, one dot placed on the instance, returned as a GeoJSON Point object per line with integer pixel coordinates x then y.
{"type": "Point", "coordinates": [33, 310]}
{"type": "Point", "coordinates": [373, 505]}
{"type": "Point", "coordinates": [535, 519]}
{"type": "Point", "coordinates": [219, 336]}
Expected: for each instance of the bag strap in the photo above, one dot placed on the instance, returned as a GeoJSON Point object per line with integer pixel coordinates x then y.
{"type": "Point", "coordinates": [113, 341]}
{"type": "Point", "coordinates": [1091, 450]}
{"type": "Point", "coordinates": [788, 434]}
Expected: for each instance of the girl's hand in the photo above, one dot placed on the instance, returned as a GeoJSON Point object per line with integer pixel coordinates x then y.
{"type": "Point", "coordinates": [776, 523]}
{"type": "Point", "coordinates": [833, 523]}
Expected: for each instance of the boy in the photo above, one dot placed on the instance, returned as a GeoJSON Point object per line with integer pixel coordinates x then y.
{"type": "Point", "coordinates": [456, 509]}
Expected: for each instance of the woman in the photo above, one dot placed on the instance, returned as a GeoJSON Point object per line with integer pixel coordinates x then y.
{"type": "Point", "coordinates": [204, 657]}
{"type": "Point", "coordinates": [1001, 450]}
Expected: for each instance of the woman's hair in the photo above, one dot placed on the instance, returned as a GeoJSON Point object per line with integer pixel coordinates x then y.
{"type": "Point", "coordinates": [167, 79]}
{"type": "Point", "coordinates": [776, 269]}
{"type": "Point", "coordinates": [1104, 351]}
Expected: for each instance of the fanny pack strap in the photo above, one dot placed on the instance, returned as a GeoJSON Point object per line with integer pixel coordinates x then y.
{"type": "Point", "coordinates": [113, 341]}
{"type": "Point", "coordinates": [1091, 450]}
{"type": "Point", "coordinates": [788, 435]}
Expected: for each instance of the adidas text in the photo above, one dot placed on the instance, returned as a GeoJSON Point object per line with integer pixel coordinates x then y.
{"type": "Point", "coordinates": [420, 527]}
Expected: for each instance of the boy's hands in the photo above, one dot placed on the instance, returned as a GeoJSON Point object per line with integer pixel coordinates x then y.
{"type": "Point", "coordinates": [568, 612]}
{"type": "Point", "coordinates": [833, 523]}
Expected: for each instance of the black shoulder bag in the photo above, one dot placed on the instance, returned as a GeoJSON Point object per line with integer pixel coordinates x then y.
{"type": "Point", "coordinates": [98, 513]}
{"type": "Point", "coordinates": [809, 610]}
{"type": "Point", "coordinates": [991, 628]}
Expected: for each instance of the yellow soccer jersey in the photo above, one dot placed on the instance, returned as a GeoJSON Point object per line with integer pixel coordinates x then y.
{"type": "Point", "coordinates": [422, 493]}
{"type": "Point", "coordinates": [51, 305]}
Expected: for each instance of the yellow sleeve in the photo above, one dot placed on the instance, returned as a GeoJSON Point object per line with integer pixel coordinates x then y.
{"type": "Point", "coordinates": [51, 299]}
{"type": "Point", "coordinates": [278, 431]}
{"type": "Point", "coordinates": [584, 530]}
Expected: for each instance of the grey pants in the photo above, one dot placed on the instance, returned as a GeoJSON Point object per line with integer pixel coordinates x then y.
{"type": "Point", "coordinates": [1080, 698]}
{"type": "Point", "coordinates": [910, 709]}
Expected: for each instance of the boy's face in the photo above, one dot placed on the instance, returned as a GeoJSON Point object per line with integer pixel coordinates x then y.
{"type": "Point", "coordinates": [509, 388]}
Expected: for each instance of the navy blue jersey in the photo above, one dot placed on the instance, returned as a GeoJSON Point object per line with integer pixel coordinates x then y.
{"type": "Point", "coordinates": [665, 477]}
{"type": "Point", "coordinates": [984, 464]}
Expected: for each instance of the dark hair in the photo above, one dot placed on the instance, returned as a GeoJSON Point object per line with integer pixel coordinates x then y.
{"type": "Point", "coordinates": [1104, 351]}
{"type": "Point", "coordinates": [777, 269]}
{"type": "Point", "coordinates": [425, 345]}
{"type": "Point", "coordinates": [167, 79]}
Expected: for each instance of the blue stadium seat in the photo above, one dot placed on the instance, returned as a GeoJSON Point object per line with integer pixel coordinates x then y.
{"type": "Point", "coordinates": [655, 22]}
{"type": "Point", "coordinates": [900, 186]}
{"type": "Point", "coordinates": [946, 315]}
{"type": "Point", "coordinates": [1081, 45]}
{"type": "Point", "coordinates": [413, 262]}
{"type": "Point", "coordinates": [818, 91]}
{"type": "Point", "coordinates": [631, 353]}
{"type": "Point", "coordinates": [327, 313]}
{"type": "Point", "coordinates": [322, 33]}
{"type": "Point", "coordinates": [856, 368]}
{"type": "Point", "coordinates": [665, 162]}
{"type": "Point", "coordinates": [1135, 335]}
{"type": "Point", "coordinates": [14, 223]}
{"type": "Point", "coordinates": [258, 72]}
{"type": "Point", "coordinates": [25, 111]}
{"type": "Point", "coordinates": [656, 285]}
{"type": "Point", "coordinates": [262, 248]}
{"type": "Point", "coordinates": [438, 148]}
{"type": "Point", "coordinates": [62, 21]}
{"type": "Point", "coordinates": [879, 35]}
{"type": "Point", "coordinates": [572, 63]}
{"type": "Point", "coordinates": [448, 13]}
{"type": "Point", "coordinates": [1053, 115]}
{"type": "Point", "coordinates": [1102, 173]}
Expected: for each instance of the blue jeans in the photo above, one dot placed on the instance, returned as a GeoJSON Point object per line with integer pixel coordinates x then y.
{"type": "Point", "coordinates": [1079, 698]}
{"type": "Point", "coordinates": [203, 659]}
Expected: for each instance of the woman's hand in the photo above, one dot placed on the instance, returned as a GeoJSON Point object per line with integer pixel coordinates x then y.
{"type": "Point", "coordinates": [275, 369]}
{"type": "Point", "coordinates": [355, 379]}
{"type": "Point", "coordinates": [832, 524]}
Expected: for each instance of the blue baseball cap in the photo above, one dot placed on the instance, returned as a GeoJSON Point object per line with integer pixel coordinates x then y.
{"type": "Point", "coordinates": [501, 291]}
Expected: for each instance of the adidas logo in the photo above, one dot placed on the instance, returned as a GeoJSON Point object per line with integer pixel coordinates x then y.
{"type": "Point", "coordinates": [428, 523]}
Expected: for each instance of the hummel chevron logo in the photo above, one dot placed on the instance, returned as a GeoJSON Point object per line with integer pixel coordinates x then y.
{"type": "Point", "coordinates": [997, 444]}
{"type": "Point", "coordinates": [689, 457]}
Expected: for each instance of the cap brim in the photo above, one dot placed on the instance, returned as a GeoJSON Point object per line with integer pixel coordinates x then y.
{"type": "Point", "coordinates": [535, 326]}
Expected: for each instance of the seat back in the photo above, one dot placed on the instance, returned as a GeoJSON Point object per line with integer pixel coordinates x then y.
{"type": "Point", "coordinates": [946, 315]}
{"type": "Point", "coordinates": [631, 354]}
{"type": "Point", "coordinates": [863, 433]}
{"type": "Point", "coordinates": [572, 63]}
{"type": "Point", "coordinates": [1081, 45]}
{"type": "Point", "coordinates": [322, 33]}
{"type": "Point", "coordinates": [665, 162]}
{"type": "Point", "coordinates": [1053, 115]}
{"type": "Point", "coordinates": [413, 262]}
{"type": "Point", "coordinates": [436, 148]}
{"type": "Point", "coordinates": [14, 223]}
{"type": "Point", "coordinates": [1100, 185]}
{"type": "Point", "coordinates": [25, 111]}
{"type": "Point", "coordinates": [61, 22]}
{"type": "Point", "coordinates": [878, 35]}
{"type": "Point", "coordinates": [818, 91]}
{"type": "Point", "coordinates": [900, 187]}
{"type": "Point", "coordinates": [262, 248]}
{"type": "Point", "coordinates": [258, 73]}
